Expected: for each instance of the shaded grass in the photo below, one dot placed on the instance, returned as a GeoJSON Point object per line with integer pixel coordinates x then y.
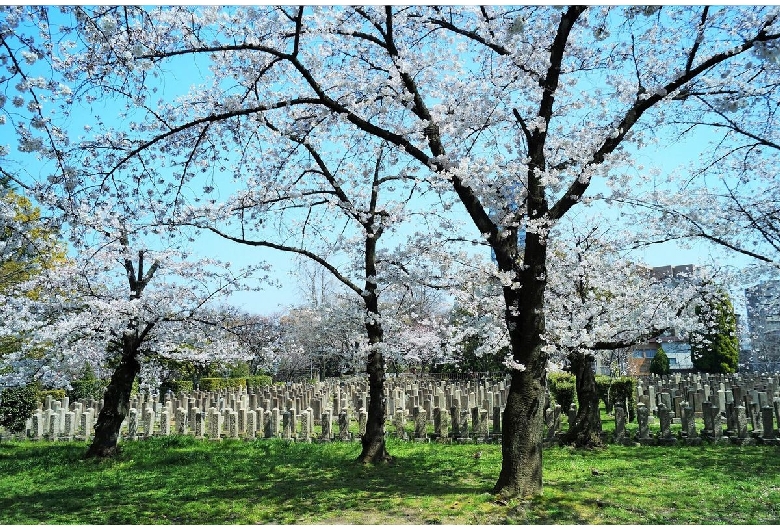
{"type": "Point", "coordinates": [182, 480]}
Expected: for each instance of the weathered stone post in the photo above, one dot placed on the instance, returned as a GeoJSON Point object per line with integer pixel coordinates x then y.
{"type": "Point", "coordinates": [251, 425]}
{"type": "Point", "coordinates": [287, 431]}
{"type": "Point", "coordinates": [305, 432]}
{"type": "Point", "coordinates": [620, 423]}
{"type": "Point", "coordinates": [689, 425]}
{"type": "Point", "coordinates": [708, 411]}
{"type": "Point", "coordinates": [180, 421]}
{"type": "Point", "coordinates": [69, 427]}
{"type": "Point", "coordinates": [362, 421]}
{"type": "Point", "coordinates": [665, 417]}
{"type": "Point", "coordinates": [272, 423]}
{"type": "Point", "coordinates": [483, 432]}
{"type": "Point", "coordinates": [36, 426]}
{"type": "Point", "coordinates": [464, 425]}
{"type": "Point", "coordinates": [148, 422]}
{"type": "Point", "coordinates": [443, 428]}
{"type": "Point", "coordinates": [420, 423]}
{"type": "Point", "coordinates": [200, 423]}
{"type": "Point", "coordinates": [571, 415]}
{"type": "Point", "coordinates": [399, 422]}
{"type": "Point", "coordinates": [132, 424]}
{"type": "Point", "coordinates": [344, 434]}
{"type": "Point", "coordinates": [327, 425]}
{"type": "Point", "coordinates": [215, 424]}
{"type": "Point", "coordinates": [768, 432]}
{"type": "Point", "coordinates": [742, 437]}
{"type": "Point", "coordinates": [165, 423]}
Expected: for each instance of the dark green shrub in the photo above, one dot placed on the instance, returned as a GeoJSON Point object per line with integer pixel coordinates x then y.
{"type": "Point", "coordinates": [623, 390]}
{"type": "Point", "coordinates": [259, 381]}
{"type": "Point", "coordinates": [211, 384]}
{"type": "Point", "coordinates": [88, 386]}
{"type": "Point", "coordinates": [56, 395]}
{"type": "Point", "coordinates": [87, 389]}
{"type": "Point", "coordinates": [613, 390]}
{"type": "Point", "coordinates": [177, 387]}
{"type": "Point", "coordinates": [240, 369]}
{"type": "Point", "coordinates": [603, 384]}
{"type": "Point", "coordinates": [563, 388]}
{"type": "Point", "coordinates": [660, 363]}
{"type": "Point", "coordinates": [16, 405]}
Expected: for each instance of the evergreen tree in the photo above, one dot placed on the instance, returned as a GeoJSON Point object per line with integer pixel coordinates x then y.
{"type": "Point", "coordinates": [716, 350]}
{"type": "Point", "coordinates": [660, 363]}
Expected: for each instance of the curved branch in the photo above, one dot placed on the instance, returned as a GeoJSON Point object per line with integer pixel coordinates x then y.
{"type": "Point", "coordinates": [303, 252]}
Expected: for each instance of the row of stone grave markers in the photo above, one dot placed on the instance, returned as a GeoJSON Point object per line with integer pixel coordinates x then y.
{"type": "Point", "coordinates": [747, 406]}
{"type": "Point", "coordinates": [462, 409]}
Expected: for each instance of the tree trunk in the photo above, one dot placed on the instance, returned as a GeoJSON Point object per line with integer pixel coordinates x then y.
{"type": "Point", "coordinates": [523, 420]}
{"type": "Point", "coordinates": [373, 442]}
{"type": "Point", "coordinates": [374, 450]}
{"type": "Point", "coordinates": [522, 434]}
{"type": "Point", "coordinates": [587, 426]}
{"type": "Point", "coordinates": [116, 402]}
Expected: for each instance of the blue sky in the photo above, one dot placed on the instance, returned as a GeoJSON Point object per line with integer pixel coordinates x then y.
{"type": "Point", "coordinates": [272, 299]}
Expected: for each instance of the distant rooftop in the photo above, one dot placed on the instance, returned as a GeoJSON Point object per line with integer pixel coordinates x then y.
{"type": "Point", "coordinates": [672, 271]}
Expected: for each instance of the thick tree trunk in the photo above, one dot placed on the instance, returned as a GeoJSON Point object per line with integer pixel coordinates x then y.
{"type": "Point", "coordinates": [521, 444]}
{"type": "Point", "coordinates": [373, 442]}
{"type": "Point", "coordinates": [587, 426]}
{"type": "Point", "coordinates": [523, 421]}
{"type": "Point", "coordinates": [116, 402]}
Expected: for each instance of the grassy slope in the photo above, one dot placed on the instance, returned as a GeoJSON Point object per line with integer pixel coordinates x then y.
{"type": "Point", "coordinates": [186, 481]}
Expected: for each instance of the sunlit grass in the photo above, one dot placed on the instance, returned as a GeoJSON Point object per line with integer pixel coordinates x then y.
{"type": "Point", "coordinates": [182, 480]}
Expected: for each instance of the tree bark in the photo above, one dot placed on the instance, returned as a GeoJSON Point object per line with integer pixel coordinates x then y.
{"type": "Point", "coordinates": [523, 421]}
{"type": "Point", "coordinates": [586, 430]}
{"type": "Point", "coordinates": [521, 443]}
{"type": "Point", "coordinates": [116, 402]}
{"type": "Point", "coordinates": [373, 442]}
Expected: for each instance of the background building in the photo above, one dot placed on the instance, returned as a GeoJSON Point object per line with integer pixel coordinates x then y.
{"type": "Point", "coordinates": [763, 320]}
{"type": "Point", "coordinates": [677, 349]}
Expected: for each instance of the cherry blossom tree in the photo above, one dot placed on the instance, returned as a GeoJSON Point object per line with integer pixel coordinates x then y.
{"type": "Point", "coordinates": [328, 339]}
{"type": "Point", "coordinates": [111, 306]}
{"type": "Point", "coordinates": [600, 297]}
{"type": "Point", "coordinates": [521, 113]}
{"type": "Point", "coordinates": [730, 196]}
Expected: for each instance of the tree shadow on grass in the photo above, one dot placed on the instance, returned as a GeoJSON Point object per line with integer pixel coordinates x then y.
{"type": "Point", "coordinates": [670, 485]}
{"type": "Point", "coordinates": [185, 481]}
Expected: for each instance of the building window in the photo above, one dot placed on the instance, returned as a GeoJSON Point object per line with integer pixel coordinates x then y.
{"type": "Point", "coordinates": [672, 360]}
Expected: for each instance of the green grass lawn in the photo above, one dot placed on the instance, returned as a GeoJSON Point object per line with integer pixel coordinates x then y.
{"type": "Point", "coordinates": [181, 480]}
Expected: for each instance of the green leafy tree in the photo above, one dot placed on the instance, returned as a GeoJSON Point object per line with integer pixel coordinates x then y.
{"type": "Point", "coordinates": [37, 249]}
{"type": "Point", "coordinates": [16, 405]}
{"type": "Point", "coordinates": [716, 350]}
{"type": "Point", "coordinates": [660, 363]}
{"type": "Point", "coordinates": [29, 248]}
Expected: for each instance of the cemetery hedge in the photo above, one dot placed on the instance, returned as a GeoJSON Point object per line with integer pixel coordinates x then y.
{"type": "Point", "coordinates": [212, 384]}
{"type": "Point", "coordinates": [613, 390]}
{"type": "Point", "coordinates": [562, 386]}
{"type": "Point", "coordinates": [182, 480]}
{"type": "Point", "coordinates": [17, 403]}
